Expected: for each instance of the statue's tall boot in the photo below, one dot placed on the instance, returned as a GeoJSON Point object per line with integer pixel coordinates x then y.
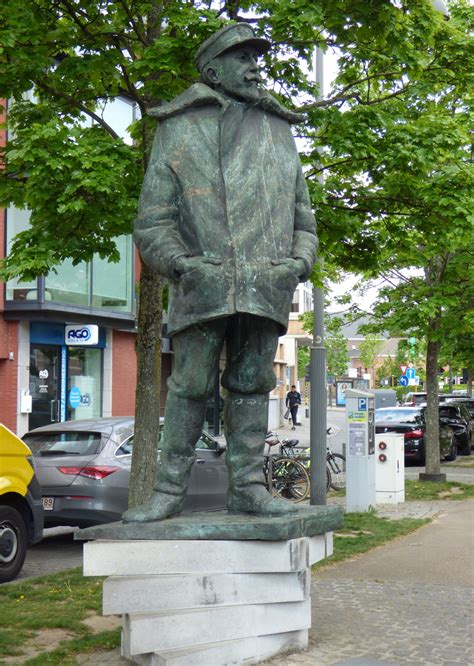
{"type": "Point", "coordinates": [184, 419]}
{"type": "Point", "coordinates": [246, 421]}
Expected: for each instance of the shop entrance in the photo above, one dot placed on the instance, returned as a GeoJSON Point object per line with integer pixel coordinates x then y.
{"type": "Point", "coordinates": [45, 384]}
{"type": "Point", "coordinates": [65, 379]}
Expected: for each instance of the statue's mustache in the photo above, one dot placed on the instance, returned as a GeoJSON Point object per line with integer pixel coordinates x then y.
{"type": "Point", "coordinates": [252, 77]}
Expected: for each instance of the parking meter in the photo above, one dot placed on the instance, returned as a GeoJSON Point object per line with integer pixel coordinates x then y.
{"type": "Point", "coordinates": [360, 451]}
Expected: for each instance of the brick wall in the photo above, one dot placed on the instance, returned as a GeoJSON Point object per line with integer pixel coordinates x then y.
{"type": "Point", "coordinates": [8, 338]}
{"type": "Point", "coordinates": [124, 373]}
{"type": "Point", "coordinates": [8, 373]}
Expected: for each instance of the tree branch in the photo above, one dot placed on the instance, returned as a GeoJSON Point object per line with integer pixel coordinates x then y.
{"type": "Point", "coordinates": [80, 106]}
{"type": "Point", "coordinates": [135, 28]}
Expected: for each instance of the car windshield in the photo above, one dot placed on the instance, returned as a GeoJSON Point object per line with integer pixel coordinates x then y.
{"type": "Point", "coordinates": [397, 415]}
{"type": "Point", "coordinates": [64, 443]}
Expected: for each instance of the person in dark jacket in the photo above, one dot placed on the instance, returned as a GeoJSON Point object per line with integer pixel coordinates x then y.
{"type": "Point", "coordinates": [225, 215]}
{"type": "Point", "coordinates": [293, 400]}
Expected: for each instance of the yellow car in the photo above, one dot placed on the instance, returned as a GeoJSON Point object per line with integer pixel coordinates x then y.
{"type": "Point", "coordinates": [21, 508]}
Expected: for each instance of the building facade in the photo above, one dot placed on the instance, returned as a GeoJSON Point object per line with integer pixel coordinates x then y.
{"type": "Point", "coordinates": [67, 339]}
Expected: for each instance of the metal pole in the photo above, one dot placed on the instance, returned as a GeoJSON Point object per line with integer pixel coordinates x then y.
{"type": "Point", "coordinates": [318, 397]}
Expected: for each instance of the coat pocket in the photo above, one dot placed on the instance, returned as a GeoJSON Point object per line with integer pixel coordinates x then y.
{"type": "Point", "coordinates": [199, 294]}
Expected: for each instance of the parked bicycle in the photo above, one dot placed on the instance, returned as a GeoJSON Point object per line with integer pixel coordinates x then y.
{"type": "Point", "coordinates": [335, 462]}
{"type": "Point", "coordinates": [286, 476]}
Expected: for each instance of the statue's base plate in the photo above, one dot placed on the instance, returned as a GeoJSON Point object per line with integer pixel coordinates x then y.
{"type": "Point", "coordinates": [221, 525]}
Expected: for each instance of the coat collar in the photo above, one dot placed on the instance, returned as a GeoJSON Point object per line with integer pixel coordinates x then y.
{"type": "Point", "coordinates": [199, 94]}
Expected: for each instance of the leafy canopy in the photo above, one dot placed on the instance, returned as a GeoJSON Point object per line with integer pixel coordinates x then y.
{"type": "Point", "coordinates": [81, 180]}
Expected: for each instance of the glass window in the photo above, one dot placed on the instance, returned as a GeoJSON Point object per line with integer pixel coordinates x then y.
{"type": "Point", "coordinates": [85, 378]}
{"type": "Point", "coordinates": [397, 415]}
{"type": "Point", "coordinates": [69, 284]}
{"type": "Point", "coordinates": [19, 220]}
{"type": "Point", "coordinates": [206, 442]}
{"type": "Point", "coordinates": [112, 283]}
{"type": "Point", "coordinates": [64, 443]}
{"type": "Point", "coordinates": [126, 448]}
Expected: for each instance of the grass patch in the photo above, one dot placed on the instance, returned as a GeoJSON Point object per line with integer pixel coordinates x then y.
{"type": "Point", "coordinates": [66, 653]}
{"type": "Point", "coordinates": [466, 462]}
{"type": "Point", "coordinates": [58, 601]}
{"type": "Point", "coordinates": [364, 531]}
{"type": "Point", "coordinates": [429, 490]}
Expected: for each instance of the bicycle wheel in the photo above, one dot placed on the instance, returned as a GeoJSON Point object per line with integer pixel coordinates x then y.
{"type": "Point", "coordinates": [328, 479]}
{"type": "Point", "coordinates": [305, 461]}
{"type": "Point", "coordinates": [337, 465]}
{"type": "Point", "coordinates": [290, 480]}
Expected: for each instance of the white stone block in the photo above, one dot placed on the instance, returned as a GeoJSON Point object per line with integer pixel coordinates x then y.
{"type": "Point", "coordinates": [137, 558]}
{"type": "Point", "coordinates": [317, 548]}
{"type": "Point", "coordinates": [329, 537]}
{"type": "Point", "coordinates": [247, 650]}
{"type": "Point", "coordinates": [134, 594]}
{"type": "Point", "coordinates": [173, 630]}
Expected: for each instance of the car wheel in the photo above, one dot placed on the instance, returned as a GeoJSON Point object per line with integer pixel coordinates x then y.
{"type": "Point", "coordinates": [466, 448]}
{"type": "Point", "coordinates": [453, 454]}
{"type": "Point", "coordinates": [13, 543]}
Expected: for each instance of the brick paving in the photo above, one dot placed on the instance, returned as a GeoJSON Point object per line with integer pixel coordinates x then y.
{"type": "Point", "coordinates": [363, 622]}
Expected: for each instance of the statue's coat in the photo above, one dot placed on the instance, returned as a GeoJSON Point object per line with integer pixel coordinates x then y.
{"type": "Point", "coordinates": [225, 181]}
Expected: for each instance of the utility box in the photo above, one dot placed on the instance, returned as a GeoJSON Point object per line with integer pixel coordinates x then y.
{"type": "Point", "coordinates": [389, 468]}
{"type": "Point", "coordinates": [360, 451]}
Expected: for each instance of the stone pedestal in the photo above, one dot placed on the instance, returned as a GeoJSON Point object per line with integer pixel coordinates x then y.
{"type": "Point", "coordinates": [210, 600]}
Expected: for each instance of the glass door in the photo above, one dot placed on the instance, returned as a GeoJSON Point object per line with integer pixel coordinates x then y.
{"type": "Point", "coordinates": [45, 377]}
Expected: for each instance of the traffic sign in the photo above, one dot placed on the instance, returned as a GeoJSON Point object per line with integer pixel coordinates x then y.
{"type": "Point", "coordinates": [410, 373]}
{"type": "Point", "coordinates": [403, 381]}
{"type": "Point", "coordinates": [403, 368]}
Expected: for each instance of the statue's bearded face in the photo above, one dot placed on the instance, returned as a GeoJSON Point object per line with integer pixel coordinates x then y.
{"type": "Point", "coordinates": [235, 73]}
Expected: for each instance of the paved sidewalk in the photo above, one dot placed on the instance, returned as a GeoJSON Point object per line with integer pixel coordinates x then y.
{"type": "Point", "coordinates": [408, 602]}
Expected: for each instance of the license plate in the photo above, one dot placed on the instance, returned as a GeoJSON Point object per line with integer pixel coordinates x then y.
{"type": "Point", "coordinates": [48, 503]}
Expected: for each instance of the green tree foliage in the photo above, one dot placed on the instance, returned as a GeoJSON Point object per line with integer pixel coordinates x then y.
{"type": "Point", "coordinates": [391, 137]}
{"type": "Point", "coordinates": [337, 353]}
{"type": "Point", "coordinates": [408, 204]}
{"type": "Point", "coordinates": [369, 350]}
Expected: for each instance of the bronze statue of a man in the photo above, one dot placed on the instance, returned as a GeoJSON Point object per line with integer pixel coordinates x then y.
{"type": "Point", "coordinates": [225, 215]}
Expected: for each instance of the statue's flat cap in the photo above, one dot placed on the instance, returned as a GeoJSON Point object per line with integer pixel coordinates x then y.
{"type": "Point", "coordinates": [229, 37]}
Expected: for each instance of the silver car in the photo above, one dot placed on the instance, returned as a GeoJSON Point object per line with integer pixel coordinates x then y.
{"type": "Point", "coordinates": [83, 468]}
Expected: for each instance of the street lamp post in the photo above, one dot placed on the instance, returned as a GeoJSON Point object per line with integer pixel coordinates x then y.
{"type": "Point", "coordinates": [318, 397]}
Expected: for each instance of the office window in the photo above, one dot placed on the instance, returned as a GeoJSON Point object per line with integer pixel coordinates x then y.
{"type": "Point", "coordinates": [17, 221]}
{"type": "Point", "coordinates": [112, 283]}
{"type": "Point", "coordinates": [70, 284]}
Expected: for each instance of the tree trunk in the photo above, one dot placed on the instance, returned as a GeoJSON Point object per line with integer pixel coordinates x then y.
{"type": "Point", "coordinates": [470, 374]}
{"type": "Point", "coordinates": [433, 468]}
{"type": "Point", "coordinates": [147, 405]}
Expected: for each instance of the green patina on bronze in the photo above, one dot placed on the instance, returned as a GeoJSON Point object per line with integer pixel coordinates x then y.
{"type": "Point", "coordinates": [307, 521]}
{"type": "Point", "coordinates": [225, 215]}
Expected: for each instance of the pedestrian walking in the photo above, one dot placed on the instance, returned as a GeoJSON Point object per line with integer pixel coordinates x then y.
{"type": "Point", "coordinates": [293, 400]}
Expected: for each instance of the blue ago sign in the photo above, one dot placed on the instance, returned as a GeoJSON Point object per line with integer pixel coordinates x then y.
{"type": "Point", "coordinates": [82, 335]}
